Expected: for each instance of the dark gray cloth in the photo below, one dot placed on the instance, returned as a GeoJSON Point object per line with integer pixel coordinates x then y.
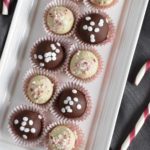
{"type": "Point", "coordinates": [135, 99]}
{"type": "Point", "coordinates": [5, 23]}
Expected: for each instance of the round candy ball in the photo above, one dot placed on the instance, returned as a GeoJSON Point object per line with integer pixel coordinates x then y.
{"type": "Point", "coordinates": [39, 89]}
{"type": "Point", "coordinates": [62, 138]}
{"type": "Point", "coordinates": [49, 55]}
{"type": "Point", "coordinates": [28, 125]}
{"type": "Point", "coordinates": [60, 20]}
{"type": "Point", "coordinates": [71, 103]}
{"type": "Point", "coordinates": [102, 3]}
{"type": "Point", "coordinates": [84, 64]}
{"type": "Point", "coordinates": [92, 29]}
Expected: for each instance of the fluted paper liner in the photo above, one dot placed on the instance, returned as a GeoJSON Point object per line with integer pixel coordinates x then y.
{"type": "Point", "coordinates": [79, 145]}
{"type": "Point", "coordinates": [33, 72]}
{"type": "Point", "coordinates": [74, 49]}
{"type": "Point", "coordinates": [68, 4]}
{"type": "Point", "coordinates": [65, 43]}
{"type": "Point", "coordinates": [59, 115]}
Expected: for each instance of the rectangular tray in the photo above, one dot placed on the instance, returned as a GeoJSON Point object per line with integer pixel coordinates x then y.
{"type": "Point", "coordinates": [26, 28]}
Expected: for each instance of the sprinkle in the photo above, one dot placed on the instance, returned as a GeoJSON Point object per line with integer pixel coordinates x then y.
{"type": "Point", "coordinates": [69, 98]}
{"type": "Point", "coordinates": [30, 122]}
{"type": "Point", "coordinates": [48, 59]}
{"type": "Point", "coordinates": [67, 107]}
{"type": "Point", "coordinates": [92, 23]}
{"type": "Point", "coordinates": [66, 101]}
{"type": "Point", "coordinates": [40, 117]}
{"type": "Point", "coordinates": [85, 27]}
{"type": "Point", "coordinates": [53, 46]}
{"type": "Point", "coordinates": [54, 58]}
{"type": "Point", "coordinates": [101, 23]}
{"type": "Point", "coordinates": [42, 65]}
{"type": "Point", "coordinates": [53, 54]}
{"type": "Point", "coordinates": [76, 99]}
{"type": "Point", "coordinates": [22, 128]}
{"type": "Point", "coordinates": [33, 130]}
{"type": "Point", "coordinates": [96, 30]}
{"type": "Point", "coordinates": [48, 54]}
{"type": "Point", "coordinates": [35, 56]}
{"type": "Point", "coordinates": [58, 44]}
{"type": "Point", "coordinates": [26, 130]}
{"type": "Point", "coordinates": [74, 91]}
{"type": "Point", "coordinates": [63, 110]}
{"type": "Point", "coordinates": [90, 29]}
{"type": "Point", "coordinates": [92, 38]}
{"type": "Point", "coordinates": [71, 103]}
{"type": "Point", "coordinates": [79, 106]}
{"type": "Point", "coordinates": [24, 123]}
{"type": "Point", "coordinates": [69, 110]}
{"type": "Point", "coordinates": [88, 18]}
{"type": "Point", "coordinates": [40, 57]}
{"type": "Point", "coordinates": [16, 122]}
{"type": "Point", "coordinates": [25, 137]}
{"type": "Point", "coordinates": [25, 118]}
{"type": "Point", "coordinates": [57, 51]}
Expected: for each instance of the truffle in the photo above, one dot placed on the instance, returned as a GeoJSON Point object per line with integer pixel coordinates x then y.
{"type": "Point", "coordinates": [59, 20]}
{"type": "Point", "coordinates": [84, 64]}
{"type": "Point", "coordinates": [62, 138]}
{"type": "Point", "coordinates": [28, 125]}
{"type": "Point", "coordinates": [92, 29]}
{"type": "Point", "coordinates": [71, 103]}
{"type": "Point", "coordinates": [39, 89]}
{"type": "Point", "coordinates": [49, 55]}
{"type": "Point", "coordinates": [102, 3]}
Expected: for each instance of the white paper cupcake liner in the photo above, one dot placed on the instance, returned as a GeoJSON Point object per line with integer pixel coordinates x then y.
{"type": "Point", "coordinates": [59, 115]}
{"type": "Point", "coordinates": [17, 139]}
{"type": "Point", "coordinates": [79, 145]}
{"type": "Point", "coordinates": [74, 49]}
{"type": "Point", "coordinates": [111, 33]}
{"type": "Point", "coordinates": [90, 5]}
{"type": "Point", "coordinates": [65, 43]}
{"type": "Point", "coordinates": [68, 4]}
{"type": "Point", "coordinates": [27, 78]}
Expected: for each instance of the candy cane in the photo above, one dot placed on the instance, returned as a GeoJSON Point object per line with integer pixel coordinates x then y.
{"type": "Point", "coordinates": [141, 73]}
{"type": "Point", "coordinates": [6, 4]}
{"type": "Point", "coordinates": [137, 128]}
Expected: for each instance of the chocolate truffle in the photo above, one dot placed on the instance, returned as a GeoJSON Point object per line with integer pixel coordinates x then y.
{"type": "Point", "coordinates": [28, 125]}
{"type": "Point", "coordinates": [62, 138]}
{"type": "Point", "coordinates": [92, 29]}
{"type": "Point", "coordinates": [71, 103]}
{"type": "Point", "coordinates": [48, 54]}
{"type": "Point", "coordinates": [84, 64]}
{"type": "Point", "coordinates": [102, 3]}
{"type": "Point", "coordinates": [59, 20]}
{"type": "Point", "coordinates": [39, 89]}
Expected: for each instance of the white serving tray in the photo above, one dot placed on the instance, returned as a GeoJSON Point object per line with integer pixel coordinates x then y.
{"type": "Point", "coordinates": [26, 28]}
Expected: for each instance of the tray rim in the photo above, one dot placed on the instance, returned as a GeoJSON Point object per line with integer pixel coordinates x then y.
{"type": "Point", "coordinates": [126, 70]}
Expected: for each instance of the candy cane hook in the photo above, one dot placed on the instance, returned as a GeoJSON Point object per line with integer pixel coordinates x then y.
{"type": "Point", "coordinates": [6, 4]}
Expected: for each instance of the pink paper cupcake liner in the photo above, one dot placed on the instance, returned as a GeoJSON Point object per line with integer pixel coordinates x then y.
{"type": "Point", "coordinates": [65, 43]}
{"type": "Point", "coordinates": [79, 145]}
{"type": "Point", "coordinates": [27, 78]}
{"type": "Point", "coordinates": [68, 4]}
{"type": "Point", "coordinates": [17, 139]}
{"type": "Point", "coordinates": [59, 115]}
{"type": "Point", "coordinates": [111, 33]}
{"type": "Point", "coordinates": [73, 50]}
{"type": "Point", "coordinates": [90, 5]}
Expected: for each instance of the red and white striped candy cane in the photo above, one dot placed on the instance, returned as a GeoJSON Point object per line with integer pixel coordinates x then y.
{"type": "Point", "coordinates": [141, 73]}
{"type": "Point", "coordinates": [137, 128]}
{"type": "Point", "coordinates": [6, 4]}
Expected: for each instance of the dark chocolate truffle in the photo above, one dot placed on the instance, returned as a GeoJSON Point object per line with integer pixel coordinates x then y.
{"type": "Point", "coordinates": [28, 125]}
{"type": "Point", "coordinates": [93, 29]}
{"type": "Point", "coordinates": [48, 54]}
{"type": "Point", "coordinates": [71, 103]}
